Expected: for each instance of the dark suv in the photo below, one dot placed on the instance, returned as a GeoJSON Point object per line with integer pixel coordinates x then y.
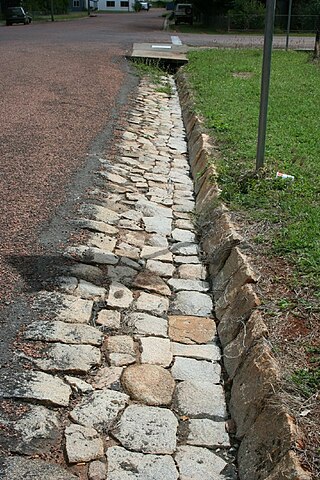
{"type": "Point", "coordinates": [183, 13]}
{"type": "Point", "coordinates": [17, 15]}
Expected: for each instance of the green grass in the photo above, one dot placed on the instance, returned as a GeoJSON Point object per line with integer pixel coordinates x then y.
{"type": "Point", "coordinates": [227, 89]}
{"type": "Point", "coordinates": [58, 18]}
{"type": "Point", "coordinates": [308, 379]}
{"type": "Point", "coordinates": [152, 69]}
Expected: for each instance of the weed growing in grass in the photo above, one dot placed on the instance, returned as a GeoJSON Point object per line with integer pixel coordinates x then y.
{"type": "Point", "coordinates": [227, 90]}
{"type": "Point", "coordinates": [165, 88]}
{"type": "Point", "coordinates": [155, 72]}
{"type": "Point", "coordinates": [148, 67]}
{"type": "Point", "coordinates": [307, 380]}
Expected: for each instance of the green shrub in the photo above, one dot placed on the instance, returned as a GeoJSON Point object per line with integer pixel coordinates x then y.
{"type": "Point", "coordinates": [247, 14]}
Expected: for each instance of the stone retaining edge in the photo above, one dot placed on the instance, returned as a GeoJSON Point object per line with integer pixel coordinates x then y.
{"type": "Point", "coordinates": [268, 434]}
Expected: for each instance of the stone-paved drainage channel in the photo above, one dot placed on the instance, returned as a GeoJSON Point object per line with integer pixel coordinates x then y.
{"type": "Point", "coordinates": [125, 380]}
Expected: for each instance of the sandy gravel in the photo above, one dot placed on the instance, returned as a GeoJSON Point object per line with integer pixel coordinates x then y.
{"type": "Point", "coordinates": [54, 101]}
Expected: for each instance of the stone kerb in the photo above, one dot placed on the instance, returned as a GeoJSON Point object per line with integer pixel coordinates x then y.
{"type": "Point", "coordinates": [262, 423]}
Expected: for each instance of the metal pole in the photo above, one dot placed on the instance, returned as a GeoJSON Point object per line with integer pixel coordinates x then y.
{"type": "Point", "coordinates": [51, 8]}
{"type": "Point", "coordinates": [288, 24]}
{"type": "Point", "coordinates": [265, 82]}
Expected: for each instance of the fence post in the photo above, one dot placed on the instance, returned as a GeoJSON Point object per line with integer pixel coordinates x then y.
{"type": "Point", "coordinates": [51, 10]}
{"type": "Point", "coordinates": [265, 82]}
{"type": "Point", "coordinates": [289, 24]}
{"type": "Point", "coordinates": [316, 53]}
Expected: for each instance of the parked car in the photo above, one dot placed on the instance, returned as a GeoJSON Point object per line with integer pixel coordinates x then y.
{"type": "Point", "coordinates": [17, 15]}
{"type": "Point", "coordinates": [145, 5]}
{"type": "Point", "coordinates": [183, 13]}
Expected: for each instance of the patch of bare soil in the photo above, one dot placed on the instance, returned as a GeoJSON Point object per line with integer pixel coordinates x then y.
{"type": "Point", "coordinates": [291, 313]}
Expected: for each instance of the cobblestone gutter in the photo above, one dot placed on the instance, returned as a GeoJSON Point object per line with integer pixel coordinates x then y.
{"type": "Point", "coordinates": [122, 379]}
{"type": "Point", "coordinates": [267, 433]}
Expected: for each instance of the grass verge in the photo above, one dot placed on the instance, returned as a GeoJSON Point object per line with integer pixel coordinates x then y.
{"type": "Point", "coordinates": [227, 86]}
{"type": "Point", "coordinates": [281, 218]}
{"type": "Point", "coordinates": [58, 18]}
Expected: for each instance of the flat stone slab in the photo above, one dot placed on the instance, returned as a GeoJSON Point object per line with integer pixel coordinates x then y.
{"type": "Point", "coordinates": [97, 470]}
{"type": "Point", "coordinates": [34, 433]}
{"type": "Point", "coordinates": [151, 209]}
{"type": "Point", "coordinates": [104, 214]}
{"type": "Point", "coordinates": [201, 352]}
{"type": "Point", "coordinates": [129, 224]}
{"type": "Point", "coordinates": [99, 409]}
{"type": "Point", "coordinates": [192, 303]}
{"type": "Point", "coordinates": [90, 273]}
{"type": "Point", "coordinates": [109, 319]}
{"type": "Point", "coordinates": [89, 291]}
{"type": "Point", "coordinates": [106, 377]}
{"type": "Point", "coordinates": [156, 253]}
{"type": "Point", "coordinates": [150, 384]}
{"type": "Point", "coordinates": [190, 330]}
{"type": "Point", "coordinates": [156, 177]}
{"type": "Point", "coordinates": [186, 206]}
{"type": "Point", "coordinates": [160, 225]}
{"type": "Point", "coordinates": [122, 274]}
{"type": "Point", "coordinates": [156, 351]}
{"type": "Point", "coordinates": [192, 272]}
{"type": "Point", "coordinates": [17, 468]}
{"type": "Point", "coordinates": [157, 240]}
{"type": "Point", "coordinates": [197, 463]}
{"type": "Point", "coordinates": [63, 332]}
{"type": "Point", "coordinates": [193, 370]}
{"type": "Point", "coordinates": [128, 251]}
{"type": "Point", "coordinates": [35, 387]}
{"type": "Point", "coordinates": [185, 248]}
{"type": "Point", "coordinates": [200, 399]}
{"type": "Point", "coordinates": [145, 324]}
{"type": "Point", "coordinates": [129, 262]}
{"type": "Point", "coordinates": [187, 259]}
{"type": "Point", "coordinates": [121, 350]}
{"type": "Point", "coordinates": [75, 310]}
{"type": "Point", "coordinates": [132, 215]}
{"type": "Point", "coordinates": [147, 429]}
{"type": "Point", "coordinates": [92, 255]}
{"type": "Point", "coordinates": [125, 465]}
{"type": "Point", "coordinates": [121, 344]}
{"type": "Point", "coordinates": [82, 444]}
{"type": "Point", "coordinates": [179, 284]}
{"type": "Point", "coordinates": [97, 226]}
{"type": "Point", "coordinates": [78, 385]}
{"type": "Point", "coordinates": [121, 359]}
{"type": "Point", "coordinates": [184, 225]}
{"type": "Point", "coordinates": [163, 269]}
{"type": "Point", "coordinates": [177, 176]}
{"type": "Point", "coordinates": [207, 433]}
{"type": "Point", "coordinates": [103, 241]}
{"type": "Point", "coordinates": [153, 304]}
{"type": "Point", "coordinates": [59, 357]}
{"type": "Point", "coordinates": [181, 235]}
{"type": "Point", "coordinates": [149, 281]}
{"type": "Point", "coordinates": [119, 296]}
{"type": "Point", "coordinates": [138, 239]}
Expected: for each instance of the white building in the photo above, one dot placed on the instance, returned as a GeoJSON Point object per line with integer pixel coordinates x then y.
{"type": "Point", "coordinates": [115, 5]}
